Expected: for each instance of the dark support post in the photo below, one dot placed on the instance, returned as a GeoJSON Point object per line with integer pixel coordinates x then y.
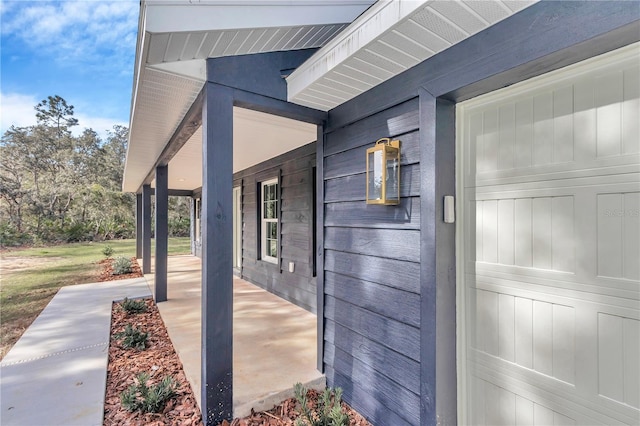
{"type": "Point", "coordinates": [192, 224]}
{"type": "Point", "coordinates": [162, 233]}
{"type": "Point", "coordinates": [320, 247]}
{"type": "Point", "coordinates": [217, 260]}
{"type": "Point", "coordinates": [427, 259]}
{"type": "Point", "coordinates": [138, 226]}
{"type": "Point", "coordinates": [437, 263]}
{"type": "Point", "coordinates": [146, 229]}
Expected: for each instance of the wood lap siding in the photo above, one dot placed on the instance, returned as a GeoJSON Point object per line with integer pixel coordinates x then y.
{"type": "Point", "coordinates": [296, 213]}
{"type": "Point", "coordinates": [372, 272]}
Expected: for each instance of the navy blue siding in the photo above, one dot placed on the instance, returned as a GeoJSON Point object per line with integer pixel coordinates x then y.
{"type": "Point", "coordinates": [372, 272]}
{"type": "Point", "coordinates": [296, 215]}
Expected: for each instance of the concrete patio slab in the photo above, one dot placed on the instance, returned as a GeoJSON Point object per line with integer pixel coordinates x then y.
{"type": "Point", "coordinates": [56, 373]}
{"type": "Point", "coordinates": [274, 341]}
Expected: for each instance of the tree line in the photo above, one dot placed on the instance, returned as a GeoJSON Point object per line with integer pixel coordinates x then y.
{"type": "Point", "coordinates": [57, 187]}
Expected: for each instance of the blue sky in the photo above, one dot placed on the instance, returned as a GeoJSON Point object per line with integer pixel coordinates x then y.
{"type": "Point", "coordinates": [81, 50]}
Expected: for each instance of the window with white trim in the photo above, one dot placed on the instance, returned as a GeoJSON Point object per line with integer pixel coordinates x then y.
{"type": "Point", "coordinates": [269, 221]}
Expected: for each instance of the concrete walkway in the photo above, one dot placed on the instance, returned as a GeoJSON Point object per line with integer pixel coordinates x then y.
{"type": "Point", "coordinates": [56, 373]}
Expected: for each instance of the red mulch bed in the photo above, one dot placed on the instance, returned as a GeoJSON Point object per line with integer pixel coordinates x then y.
{"type": "Point", "coordinates": [288, 411]}
{"type": "Point", "coordinates": [159, 360]}
{"type": "Point", "coordinates": [106, 270]}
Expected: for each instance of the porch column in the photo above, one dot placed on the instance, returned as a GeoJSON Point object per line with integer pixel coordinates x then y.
{"type": "Point", "coordinates": [217, 261]}
{"type": "Point", "coordinates": [319, 201]}
{"type": "Point", "coordinates": [192, 224]}
{"type": "Point", "coordinates": [437, 263]}
{"type": "Point", "coordinates": [146, 229]}
{"type": "Point", "coordinates": [162, 233]}
{"type": "Point", "coordinates": [138, 226]}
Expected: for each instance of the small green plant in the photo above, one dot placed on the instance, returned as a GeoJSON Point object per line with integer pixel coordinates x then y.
{"type": "Point", "coordinates": [132, 338]}
{"type": "Point", "coordinates": [148, 399]}
{"type": "Point", "coordinates": [133, 306]}
{"type": "Point", "coordinates": [329, 409]}
{"type": "Point", "coordinates": [121, 265]}
{"type": "Point", "coordinates": [107, 251]}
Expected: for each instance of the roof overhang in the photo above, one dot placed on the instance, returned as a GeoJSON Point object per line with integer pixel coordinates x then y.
{"type": "Point", "coordinates": [176, 37]}
{"type": "Point", "coordinates": [358, 51]}
{"type": "Point", "coordinates": [387, 39]}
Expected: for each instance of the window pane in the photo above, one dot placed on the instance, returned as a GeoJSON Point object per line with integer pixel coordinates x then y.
{"type": "Point", "coordinates": [273, 248]}
{"type": "Point", "coordinates": [270, 192]}
{"type": "Point", "coordinates": [272, 230]}
{"type": "Point", "coordinates": [270, 210]}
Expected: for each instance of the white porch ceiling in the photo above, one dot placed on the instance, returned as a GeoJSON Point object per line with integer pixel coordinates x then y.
{"type": "Point", "coordinates": [177, 36]}
{"type": "Point", "coordinates": [389, 38]}
{"type": "Point", "coordinates": [256, 137]}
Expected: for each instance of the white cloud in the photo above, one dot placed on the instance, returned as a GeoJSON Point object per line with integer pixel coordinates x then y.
{"type": "Point", "coordinates": [99, 124]}
{"type": "Point", "coordinates": [18, 110]}
{"type": "Point", "coordinates": [76, 32]}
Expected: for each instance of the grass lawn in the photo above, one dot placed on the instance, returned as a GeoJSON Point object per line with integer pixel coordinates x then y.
{"type": "Point", "coordinates": [31, 277]}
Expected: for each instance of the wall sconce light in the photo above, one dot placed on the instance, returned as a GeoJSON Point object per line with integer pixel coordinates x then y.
{"type": "Point", "coordinates": [383, 172]}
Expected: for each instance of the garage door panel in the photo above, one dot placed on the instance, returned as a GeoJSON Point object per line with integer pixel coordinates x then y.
{"type": "Point", "coordinates": [576, 231]}
{"type": "Point", "coordinates": [540, 337]}
{"type": "Point", "coordinates": [617, 104]}
{"type": "Point", "coordinates": [551, 197]}
{"type": "Point", "coordinates": [619, 235]}
{"type": "Point", "coordinates": [499, 406]}
{"type": "Point", "coordinates": [609, 94]}
{"type": "Point", "coordinates": [623, 303]}
{"type": "Point", "coordinates": [533, 232]}
{"type": "Point", "coordinates": [561, 126]}
{"type": "Point", "coordinates": [631, 111]}
{"type": "Point", "coordinates": [618, 358]}
{"type": "Point", "coordinates": [543, 175]}
{"type": "Point", "coordinates": [606, 179]}
{"type": "Point", "coordinates": [631, 360]}
{"type": "Point", "coordinates": [553, 399]}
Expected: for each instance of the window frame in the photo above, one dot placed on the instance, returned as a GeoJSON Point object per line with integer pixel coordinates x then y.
{"type": "Point", "coordinates": [264, 254]}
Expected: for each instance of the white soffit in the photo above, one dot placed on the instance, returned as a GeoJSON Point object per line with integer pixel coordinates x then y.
{"type": "Point", "coordinates": [389, 38]}
{"type": "Point", "coordinates": [176, 36]}
{"type": "Point", "coordinates": [256, 137]}
{"type": "Point", "coordinates": [161, 102]}
{"type": "Point", "coordinates": [173, 16]}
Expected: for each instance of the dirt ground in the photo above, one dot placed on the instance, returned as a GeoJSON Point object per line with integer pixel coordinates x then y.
{"type": "Point", "coordinates": [11, 264]}
{"type": "Point", "coordinates": [36, 299]}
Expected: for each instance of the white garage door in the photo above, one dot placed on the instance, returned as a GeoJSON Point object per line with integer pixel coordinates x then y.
{"type": "Point", "coordinates": [549, 183]}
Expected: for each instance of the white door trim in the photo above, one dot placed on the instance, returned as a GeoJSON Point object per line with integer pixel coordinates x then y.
{"type": "Point", "coordinates": [461, 316]}
{"type": "Point", "coordinates": [237, 227]}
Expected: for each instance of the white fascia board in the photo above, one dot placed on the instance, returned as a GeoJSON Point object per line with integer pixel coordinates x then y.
{"type": "Point", "coordinates": [377, 20]}
{"type": "Point", "coordinates": [138, 67]}
{"type": "Point", "coordinates": [172, 16]}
